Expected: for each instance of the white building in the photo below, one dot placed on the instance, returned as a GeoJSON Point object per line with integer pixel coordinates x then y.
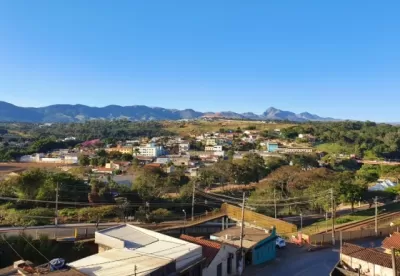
{"type": "Point", "coordinates": [213, 148]}
{"type": "Point", "coordinates": [184, 147]}
{"type": "Point", "coordinates": [150, 150]}
{"type": "Point", "coordinates": [126, 247]}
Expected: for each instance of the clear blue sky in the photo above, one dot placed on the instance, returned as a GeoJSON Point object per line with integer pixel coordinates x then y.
{"type": "Point", "coordinates": [335, 58]}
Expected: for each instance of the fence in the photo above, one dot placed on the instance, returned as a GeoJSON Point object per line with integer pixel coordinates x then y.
{"type": "Point", "coordinates": [325, 238]}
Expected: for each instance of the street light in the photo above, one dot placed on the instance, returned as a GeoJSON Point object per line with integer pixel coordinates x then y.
{"type": "Point", "coordinates": [184, 222]}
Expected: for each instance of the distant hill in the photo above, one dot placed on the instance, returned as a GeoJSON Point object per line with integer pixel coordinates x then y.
{"type": "Point", "coordinates": [79, 113]}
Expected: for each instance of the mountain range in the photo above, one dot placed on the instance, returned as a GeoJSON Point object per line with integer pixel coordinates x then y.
{"type": "Point", "coordinates": [80, 113]}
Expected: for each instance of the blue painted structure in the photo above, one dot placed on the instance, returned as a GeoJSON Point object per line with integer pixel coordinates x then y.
{"type": "Point", "coordinates": [265, 250]}
{"type": "Point", "coordinates": [272, 147]}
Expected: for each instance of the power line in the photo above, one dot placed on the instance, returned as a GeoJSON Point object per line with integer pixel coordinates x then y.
{"type": "Point", "coordinates": [12, 248]}
{"type": "Point", "coordinates": [22, 235]}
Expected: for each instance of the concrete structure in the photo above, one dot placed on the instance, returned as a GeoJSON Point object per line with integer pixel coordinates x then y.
{"type": "Point", "coordinates": [368, 261]}
{"type": "Point", "coordinates": [150, 150]}
{"type": "Point", "coordinates": [221, 259]}
{"type": "Point", "coordinates": [155, 251]}
{"type": "Point", "coordinates": [259, 244]}
{"type": "Point", "coordinates": [162, 160]}
{"type": "Point", "coordinates": [382, 185]}
{"type": "Point", "coordinates": [295, 150]}
{"type": "Point", "coordinates": [272, 147]}
{"type": "Point", "coordinates": [40, 158]}
{"type": "Point", "coordinates": [213, 148]}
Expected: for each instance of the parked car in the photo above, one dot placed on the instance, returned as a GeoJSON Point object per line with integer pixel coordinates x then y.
{"type": "Point", "coordinates": [280, 243]}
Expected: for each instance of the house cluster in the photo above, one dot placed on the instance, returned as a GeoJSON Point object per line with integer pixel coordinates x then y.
{"type": "Point", "coordinates": [131, 250]}
{"type": "Point", "coordinates": [358, 260]}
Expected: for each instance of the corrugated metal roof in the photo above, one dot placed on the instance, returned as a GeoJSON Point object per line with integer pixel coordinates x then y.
{"type": "Point", "coordinates": [132, 237]}
{"type": "Point", "coordinates": [119, 262]}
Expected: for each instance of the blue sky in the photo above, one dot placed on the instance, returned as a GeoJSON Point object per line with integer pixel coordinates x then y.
{"type": "Point", "coordinates": [334, 58]}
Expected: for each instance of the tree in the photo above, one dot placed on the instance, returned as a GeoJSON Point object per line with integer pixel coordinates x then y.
{"type": "Point", "coordinates": [83, 160]}
{"type": "Point", "coordinates": [127, 157]}
{"type": "Point", "coordinates": [368, 173]}
{"type": "Point", "coordinates": [351, 192]}
{"type": "Point", "coordinates": [305, 161]}
{"type": "Point", "coordinates": [114, 155]}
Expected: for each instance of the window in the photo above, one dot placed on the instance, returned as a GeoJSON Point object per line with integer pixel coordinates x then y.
{"type": "Point", "coordinates": [219, 270]}
{"type": "Point", "coordinates": [229, 265]}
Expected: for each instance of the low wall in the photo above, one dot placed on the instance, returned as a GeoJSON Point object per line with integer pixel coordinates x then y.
{"type": "Point", "coordinates": [324, 238]}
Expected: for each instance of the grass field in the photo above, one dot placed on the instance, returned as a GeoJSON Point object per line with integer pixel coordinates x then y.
{"type": "Point", "coordinates": [199, 127]}
{"type": "Point", "coordinates": [334, 148]}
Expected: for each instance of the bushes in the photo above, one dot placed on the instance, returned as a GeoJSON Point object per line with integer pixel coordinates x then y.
{"type": "Point", "coordinates": [343, 220]}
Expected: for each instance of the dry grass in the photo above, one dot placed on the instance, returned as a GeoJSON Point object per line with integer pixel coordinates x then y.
{"type": "Point", "coordinates": [6, 168]}
{"type": "Point", "coordinates": [199, 127]}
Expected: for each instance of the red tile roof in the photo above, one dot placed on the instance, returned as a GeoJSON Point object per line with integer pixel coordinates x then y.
{"type": "Point", "coordinates": [392, 242]}
{"type": "Point", "coordinates": [369, 255]}
{"type": "Point", "coordinates": [210, 248]}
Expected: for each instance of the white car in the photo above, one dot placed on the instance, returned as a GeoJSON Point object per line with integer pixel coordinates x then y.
{"type": "Point", "coordinates": [280, 243]}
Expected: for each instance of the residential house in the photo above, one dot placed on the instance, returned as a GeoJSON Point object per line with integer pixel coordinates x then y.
{"type": "Point", "coordinates": [128, 250]}
{"type": "Point", "coordinates": [391, 242]}
{"type": "Point", "coordinates": [103, 170]}
{"type": "Point", "coordinates": [220, 259]}
{"type": "Point", "coordinates": [121, 149]}
{"type": "Point", "coordinates": [211, 142]}
{"type": "Point", "coordinates": [184, 146]}
{"type": "Point", "coordinates": [180, 160]}
{"type": "Point", "coordinates": [258, 244]}
{"type": "Point", "coordinates": [366, 261]}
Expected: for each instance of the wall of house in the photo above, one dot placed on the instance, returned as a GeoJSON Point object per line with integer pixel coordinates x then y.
{"type": "Point", "coordinates": [368, 269]}
{"type": "Point", "coordinates": [264, 251]}
{"type": "Point", "coordinates": [107, 241]}
{"type": "Point", "coordinates": [222, 258]}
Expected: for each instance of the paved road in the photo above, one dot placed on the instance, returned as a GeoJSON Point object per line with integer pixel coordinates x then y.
{"type": "Point", "coordinates": [295, 261]}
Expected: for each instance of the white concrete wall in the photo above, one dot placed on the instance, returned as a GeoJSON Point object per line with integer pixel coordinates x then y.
{"type": "Point", "coordinates": [368, 269]}
{"type": "Point", "coordinates": [108, 241]}
{"type": "Point", "coordinates": [222, 258]}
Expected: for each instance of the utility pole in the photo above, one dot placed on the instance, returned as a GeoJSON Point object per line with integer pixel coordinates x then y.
{"type": "Point", "coordinates": [135, 269]}
{"type": "Point", "coordinates": [194, 188]}
{"type": "Point", "coordinates": [275, 201]}
{"type": "Point", "coordinates": [333, 218]}
{"type": "Point", "coordinates": [56, 218]}
{"type": "Point", "coordinates": [394, 265]}
{"type": "Point", "coordinates": [326, 221]}
{"type": "Point", "coordinates": [242, 233]}
{"type": "Point", "coordinates": [376, 215]}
